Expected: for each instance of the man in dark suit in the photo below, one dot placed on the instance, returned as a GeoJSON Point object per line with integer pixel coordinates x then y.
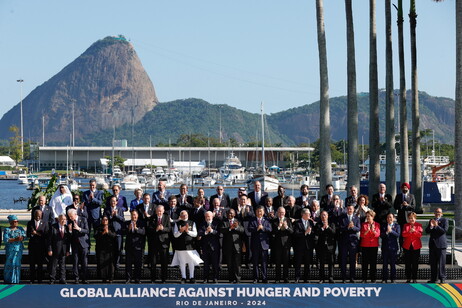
{"type": "Point", "coordinates": [197, 212]}
{"type": "Point", "coordinates": [48, 215]}
{"type": "Point", "coordinates": [325, 246]}
{"type": "Point", "coordinates": [389, 233]}
{"type": "Point", "coordinates": [116, 221]}
{"type": "Point", "coordinates": [161, 196]}
{"type": "Point", "coordinates": [218, 211]}
{"type": "Point", "coordinates": [232, 232]}
{"type": "Point", "coordinates": [134, 247]}
{"type": "Point", "coordinates": [185, 201]}
{"type": "Point", "coordinates": [353, 197]}
{"type": "Point", "coordinates": [225, 201]}
{"type": "Point", "coordinates": [173, 210]}
{"type": "Point", "coordinates": [257, 196]}
{"type": "Point", "coordinates": [260, 230]}
{"type": "Point", "coordinates": [37, 232]}
{"type": "Point", "coordinates": [145, 209]}
{"type": "Point", "coordinates": [437, 228]}
{"type": "Point", "coordinates": [270, 211]}
{"type": "Point", "coordinates": [209, 237]}
{"type": "Point", "coordinates": [350, 226]}
{"type": "Point", "coordinates": [403, 204]}
{"type": "Point", "coordinates": [93, 200]}
{"type": "Point", "coordinates": [79, 207]}
{"type": "Point", "coordinates": [121, 200]}
{"type": "Point", "coordinates": [281, 199]}
{"type": "Point", "coordinates": [280, 249]}
{"type": "Point", "coordinates": [158, 230]}
{"type": "Point", "coordinates": [244, 214]}
{"type": "Point", "coordinates": [235, 202]}
{"type": "Point", "coordinates": [78, 229]}
{"type": "Point", "coordinates": [303, 245]}
{"type": "Point", "coordinates": [293, 211]}
{"type": "Point", "coordinates": [327, 201]}
{"type": "Point", "coordinates": [381, 204]}
{"type": "Point", "coordinates": [58, 245]}
{"type": "Point", "coordinates": [304, 199]}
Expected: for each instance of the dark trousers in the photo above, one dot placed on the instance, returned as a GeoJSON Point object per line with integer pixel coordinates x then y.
{"type": "Point", "coordinates": [79, 256]}
{"type": "Point", "coordinates": [260, 257]}
{"type": "Point", "coordinates": [281, 256]}
{"type": "Point", "coordinates": [369, 256]}
{"type": "Point", "coordinates": [233, 260]}
{"type": "Point", "coordinates": [325, 256]}
{"type": "Point", "coordinates": [212, 258]}
{"type": "Point", "coordinates": [162, 253]}
{"type": "Point", "coordinates": [117, 250]}
{"type": "Point", "coordinates": [36, 260]}
{"type": "Point", "coordinates": [389, 259]}
{"type": "Point", "coordinates": [302, 256]}
{"type": "Point", "coordinates": [55, 262]}
{"type": "Point", "coordinates": [437, 263]}
{"type": "Point", "coordinates": [348, 256]}
{"type": "Point", "coordinates": [133, 258]}
{"type": "Point", "coordinates": [411, 260]}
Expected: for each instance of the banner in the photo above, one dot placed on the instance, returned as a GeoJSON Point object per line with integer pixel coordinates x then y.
{"type": "Point", "coordinates": [231, 295]}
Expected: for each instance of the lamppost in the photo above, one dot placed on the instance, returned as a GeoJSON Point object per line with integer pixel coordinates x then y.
{"type": "Point", "coordinates": [22, 130]}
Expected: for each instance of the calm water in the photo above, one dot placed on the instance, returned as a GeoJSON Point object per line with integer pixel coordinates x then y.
{"type": "Point", "coordinates": [11, 190]}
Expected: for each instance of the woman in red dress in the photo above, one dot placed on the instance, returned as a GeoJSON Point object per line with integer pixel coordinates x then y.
{"type": "Point", "coordinates": [412, 233]}
{"type": "Point", "coordinates": [370, 234]}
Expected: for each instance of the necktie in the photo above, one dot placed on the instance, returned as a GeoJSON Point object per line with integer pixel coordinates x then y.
{"type": "Point", "coordinates": [304, 223]}
{"type": "Point", "coordinates": [230, 222]}
{"type": "Point", "coordinates": [349, 218]}
{"type": "Point", "coordinates": [259, 221]}
{"type": "Point", "coordinates": [159, 221]}
{"type": "Point", "coordinates": [37, 224]}
{"type": "Point", "coordinates": [62, 231]}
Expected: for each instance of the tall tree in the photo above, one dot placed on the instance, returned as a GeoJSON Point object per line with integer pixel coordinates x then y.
{"type": "Point", "coordinates": [458, 107]}
{"type": "Point", "coordinates": [352, 111]}
{"type": "Point", "coordinates": [324, 115]}
{"type": "Point", "coordinates": [15, 145]}
{"type": "Point", "coordinates": [416, 168]}
{"type": "Point", "coordinates": [374, 135]}
{"type": "Point", "coordinates": [389, 107]}
{"type": "Point", "coordinates": [403, 140]}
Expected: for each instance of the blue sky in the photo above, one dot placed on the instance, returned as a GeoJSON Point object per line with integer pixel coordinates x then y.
{"type": "Point", "coordinates": [239, 52]}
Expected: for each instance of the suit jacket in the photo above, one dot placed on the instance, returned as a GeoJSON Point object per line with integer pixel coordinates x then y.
{"type": "Point", "coordinates": [350, 200]}
{"type": "Point", "coordinates": [438, 234]}
{"type": "Point", "coordinates": [325, 204]}
{"type": "Point", "coordinates": [79, 239]}
{"type": "Point", "coordinates": [225, 200]}
{"type": "Point", "coordinates": [263, 197]}
{"type": "Point", "coordinates": [401, 216]}
{"type": "Point", "coordinates": [335, 216]}
{"type": "Point", "coordinates": [349, 236]}
{"type": "Point", "coordinates": [186, 204]}
{"type": "Point", "coordinates": [197, 215]}
{"type": "Point", "coordinates": [260, 239]}
{"type": "Point", "coordinates": [211, 240]}
{"type": "Point", "coordinates": [80, 212]}
{"type": "Point", "coordinates": [134, 240]}
{"type": "Point", "coordinates": [141, 209]}
{"type": "Point", "coordinates": [94, 205]}
{"type": "Point", "coordinates": [37, 242]}
{"type": "Point", "coordinates": [121, 202]}
{"type": "Point", "coordinates": [303, 241]}
{"type": "Point", "coordinates": [390, 240]}
{"type": "Point", "coordinates": [158, 200]}
{"type": "Point", "coordinates": [232, 238]}
{"type": "Point", "coordinates": [412, 238]}
{"type": "Point", "coordinates": [244, 218]}
{"type": "Point", "coordinates": [279, 201]}
{"type": "Point", "coordinates": [294, 212]}
{"type": "Point", "coordinates": [47, 213]}
{"type": "Point", "coordinates": [116, 221]}
{"type": "Point", "coordinates": [282, 237]}
{"type": "Point", "coordinates": [174, 214]}
{"type": "Point", "coordinates": [325, 239]}
{"type": "Point", "coordinates": [370, 239]}
{"type": "Point", "coordinates": [299, 201]}
{"type": "Point", "coordinates": [57, 244]}
{"type": "Point", "coordinates": [381, 208]}
{"type": "Point", "coordinates": [159, 238]}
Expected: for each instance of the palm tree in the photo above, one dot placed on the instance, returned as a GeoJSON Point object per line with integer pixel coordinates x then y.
{"type": "Point", "coordinates": [352, 110]}
{"type": "Point", "coordinates": [324, 116]}
{"type": "Point", "coordinates": [404, 147]}
{"type": "Point", "coordinates": [458, 126]}
{"type": "Point", "coordinates": [389, 107]}
{"type": "Point", "coordinates": [416, 168]}
{"type": "Point", "coordinates": [374, 136]}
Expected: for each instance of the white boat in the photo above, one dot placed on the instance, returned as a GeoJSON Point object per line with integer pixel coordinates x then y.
{"type": "Point", "coordinates": [268, 183]}
{"type": "Point", "coordinates": [101, 183]}
{"type": "Point", "coordinates": [117, 172]}
{"type": "Point", "coordinates": [232, 170]}
{"type": "Point", "coordinates": [22, 178]}
{"type": "Point", "coordinates": [70, 183]}
{"type": "Point", "coordinates": [130, 182]}
{"type": "Point", "coordinates": [146, 172]}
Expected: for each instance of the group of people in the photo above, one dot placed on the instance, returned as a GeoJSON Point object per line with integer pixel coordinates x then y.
{"type": "Point", "coordinates": [251, 230]}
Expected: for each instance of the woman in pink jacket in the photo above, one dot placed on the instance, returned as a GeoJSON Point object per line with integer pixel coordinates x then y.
{"type": "Point", "coordinates": [370, 233]}
{"type": "Point", "coordinates": [412, 233]}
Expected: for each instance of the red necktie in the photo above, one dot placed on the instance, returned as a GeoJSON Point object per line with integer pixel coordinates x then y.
{"type": "Point", "coordinates": [62, 232]}
{"type": "Point", "coordinates": [159, 221]}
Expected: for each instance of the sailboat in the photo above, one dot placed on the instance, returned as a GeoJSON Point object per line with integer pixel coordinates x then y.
{"type": "Point", "coordinates": [268, 182]}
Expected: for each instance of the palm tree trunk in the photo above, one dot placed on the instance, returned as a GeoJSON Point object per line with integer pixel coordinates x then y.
{"type": "Point", "coordinates": [374, 135]}
{"type": "Point", "coordinates": [352, 110]}
{"type": "Point", "coordinates": [416, 166]}
{"type": "Point", "coordinates": [324, 120]}
{"type": "Point", "coordinates": [389, 107]}
{"type": "Point", "coordinates": [458, 126]}
{"type": "Point", "coordinates": [403, 140]}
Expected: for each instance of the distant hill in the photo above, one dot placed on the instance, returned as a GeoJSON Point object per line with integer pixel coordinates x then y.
{"type": "Point", "coordinates": [108, 76]}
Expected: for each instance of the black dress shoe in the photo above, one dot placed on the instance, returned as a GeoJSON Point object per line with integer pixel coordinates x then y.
{"type": "Point", "coordinates": [373, 281]}
{"type": "Point", "coordinates": [235, 281]}
{"type": "Point", "coordinates": [306, 281]}
{"type": "Point", "coordinates": [442, 281]}
{"type": "Point", "coordinates": [84, 282]}
{"type": "Point", "coordinates": [343, 281]}
{"type": "Point", "coordinates": [408, 281]}
{"type": "Point", "coordinates": [352, 281]}
{"type": "Point", "coordinates": [205, 281]}
{"type": "Point", "coordinates": [162, 281]}
{"type": "Point", "coordinates": [321, 281]}
{"type": "Point", "coordinates": [265, 280]}
{"type": "Point", "coordinates": [331, 280]}
{"type": "Point", "coordinates": [286, 280]}
{"type": "Point", "coordinates": [255, 281]}
{"type": "Point", "coordinates": [277, 281]}
{"type": "Point", "coordinates": [192, 281]}
{"type": "Point", "coordinates": [183, 280]}
{"type": "Point", "coordinates": [431, 281]}
{"type": "Point", "coordinates": [127, 281]}
{"type": "Point", "coordinates": [215, 281]}
{"type": "Point", "coordinates": [364, 281]}
{"type": "Point", "coordinates": [414, 280]}
{"type": "Point", "coordinates": [77, 281]}
{"type": "Point", "coordinates": [392, 281]}
{"type": "Point", "coordinates": [137, 281]}
{"type": "Point", "coordinates": [52, 282]}
{"type": "Point", "coordinates": [384, 281]}
{"type": "Point", "coordinates": [297, 280]}
{"type": "Point", "coordinates": [62, 282]}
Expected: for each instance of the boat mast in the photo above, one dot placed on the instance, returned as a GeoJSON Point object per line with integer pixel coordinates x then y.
{"type": "Point", "coordinates": [262, 141]}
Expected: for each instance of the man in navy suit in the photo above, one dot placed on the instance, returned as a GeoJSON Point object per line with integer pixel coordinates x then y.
{"type": "Point", "coordinates": [134, 247]}
{"type": "Point", "coordinates": [225, 201]}
{"type": "Point", "coordinates": [327, 201]}
{"type": "Point", "coordinates": [209, 237]}
{"type": "Point", "coordinates": [303, 245]}
{"type": "Point", "coordinates": [93, 200]}
{"type": "Point", "coordinates": [185, 201]}
{"type": "Point", "coordinates": [350, 226]}
{"type": "Point", "coordinates": [116, 221]}
{"type": "Point", "coordinates": [304, 199]}
{"type": "Point", "coordinates": [58, 245]}
{"type": "Point", "coordinates": [280, 249]}
{"type": "Point", "coordinates": [389, 232]}
{"type": "Point", "coordinates": [437, 228]}
{"type": "Point", "coordinates": [48, 215]}
{"type": "Point", "coordinates": [37, 232]}
{"type": "Point", "coordinates": [325, 246]}
{"type": "Point", "coordinates": [78, 228]}
{"type": "Point", "coordinates": [233, 232]}
{"type": "Point", "coordinates": [158, 230]}
{"type": "Point", "coordinates": [121, 200]}
{"type": "Point", "coordinates": [160, 197]}
{"type": "Point", "coordinates": [260, 230]}
{"type": "Point", "coordinates": [257, 196]}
